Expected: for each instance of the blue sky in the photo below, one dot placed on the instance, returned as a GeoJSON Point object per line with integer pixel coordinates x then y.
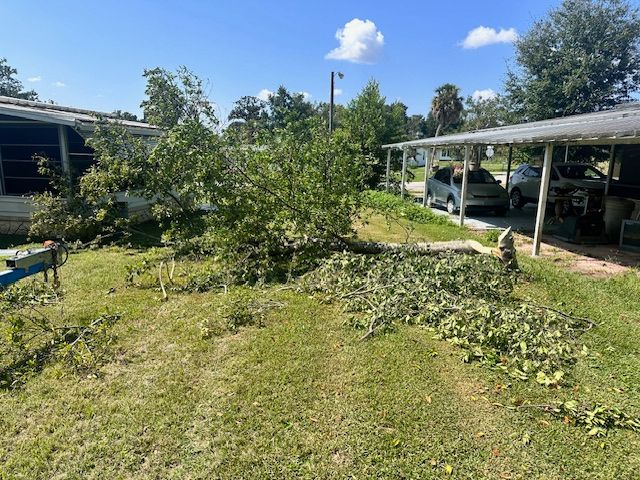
{"type": "Point", "coordinates": [91, 54]}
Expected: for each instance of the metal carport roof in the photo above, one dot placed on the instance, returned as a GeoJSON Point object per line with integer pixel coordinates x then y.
{"type": "Point", "coordinates": [618, 125]}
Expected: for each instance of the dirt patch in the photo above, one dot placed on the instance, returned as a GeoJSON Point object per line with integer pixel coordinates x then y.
{"type": "Point", "coordinates": [598, 261]}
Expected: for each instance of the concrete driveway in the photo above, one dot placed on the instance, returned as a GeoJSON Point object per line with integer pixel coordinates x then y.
{"type": "Point", "coordinates": [522, 220]}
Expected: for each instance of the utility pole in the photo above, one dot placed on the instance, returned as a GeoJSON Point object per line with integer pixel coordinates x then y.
{"type": "Point", "coordinates": [341, 76]}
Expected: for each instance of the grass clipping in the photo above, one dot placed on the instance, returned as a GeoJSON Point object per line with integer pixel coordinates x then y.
{"type": "Point", "coordinates": [466, 299]}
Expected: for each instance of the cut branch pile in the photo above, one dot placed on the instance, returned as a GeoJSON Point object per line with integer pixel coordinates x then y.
{"type": "Point", "coordinates": [466, 299]}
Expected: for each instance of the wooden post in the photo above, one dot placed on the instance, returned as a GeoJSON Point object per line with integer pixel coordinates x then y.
{"type": "Point", "coordinates": [388, 169]}
{"type": "Point", "coordinates": [612, 159]}
{"type": "Point", "coordinates": [509, 160]}
{"type": "Point", "coordinates": [465, 182]}
{"type": "Point", "coordinates": [542, 199]}
{"type": "Point", "coordinates": [427, 172]}
{"type": "Point", "coordinates": [404, 172]}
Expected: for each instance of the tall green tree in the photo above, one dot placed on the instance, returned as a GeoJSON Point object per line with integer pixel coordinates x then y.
{"type": "Point", "coordinates": [420, 127]}
{"type": "Point", "coordinates": [10, 86]}
{"type": "Point", "coordinates": [365, 121]}
{"type": "Point", "coordinates": [446, 106]}
{"type": "Point", "coordinates": [582, 57]}
{"type": "Point", "coordinates": [396, 122]}
{"type": "Point", "coordinates": [248, 118]}
{"type": "Point", "coordinates": [486, 113]}
{"type": "Point", "coordinates": [288, 108]}
{"type": "Point", "coordinates": [124, 115]}
{"type": "Point", "coordinates": [175, 98]}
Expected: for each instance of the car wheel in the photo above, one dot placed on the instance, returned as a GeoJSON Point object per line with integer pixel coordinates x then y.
{"type": "Point", "coordinates": [429, 200]}
{"type": "Point", "coordinates": [451, 205]}
{"type": "Point", "coordinates": [516, 198]}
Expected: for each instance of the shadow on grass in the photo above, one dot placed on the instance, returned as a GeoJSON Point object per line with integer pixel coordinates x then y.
{"type": "Point", "coordinates": [12, 240]}
{"type": "Point", "coordinates": [144, 235]}
{"type": "Point", "coordinates": [33, 362]}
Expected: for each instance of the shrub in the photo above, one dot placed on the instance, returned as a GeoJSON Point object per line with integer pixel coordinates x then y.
{"type": "Point", "coordinates": [392, 205]}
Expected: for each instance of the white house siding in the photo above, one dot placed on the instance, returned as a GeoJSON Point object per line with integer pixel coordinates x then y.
{"type": "Point", "coordinates": [15, 212]}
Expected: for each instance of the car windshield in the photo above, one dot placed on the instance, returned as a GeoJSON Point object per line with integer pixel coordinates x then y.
{"type": "Point", "coordinates": [580, 172]}
{"type": "Point", "coordinates": [477, 176]}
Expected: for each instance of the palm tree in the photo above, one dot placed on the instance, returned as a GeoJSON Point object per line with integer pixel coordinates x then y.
{"type": "Point", "coordinates": [446, 106]}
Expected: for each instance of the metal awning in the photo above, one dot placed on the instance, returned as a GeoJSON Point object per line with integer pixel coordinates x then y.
{"type": "Point", "coordinates": [80, 119]}
{"type": "Point", "coordinates": [618, 125]}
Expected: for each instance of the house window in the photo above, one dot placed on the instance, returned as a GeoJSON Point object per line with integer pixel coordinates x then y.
{"type": "Point", "coordinates": [19, 144]}
{"type": "Point", "coordinates": [80, 155]}
{"type": "Point", "coordinates": [445, 154]}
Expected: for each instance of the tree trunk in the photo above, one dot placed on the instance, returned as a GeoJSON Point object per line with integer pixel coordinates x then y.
{"type": "Point", "coordinates": [505, 250]}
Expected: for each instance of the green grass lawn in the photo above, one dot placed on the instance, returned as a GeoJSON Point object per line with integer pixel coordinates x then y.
{"type": "Point", "coordinates": [302, 397]}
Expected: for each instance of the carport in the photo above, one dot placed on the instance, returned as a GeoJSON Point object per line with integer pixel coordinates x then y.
{"type": "Point", "coordinates": [613, 128]}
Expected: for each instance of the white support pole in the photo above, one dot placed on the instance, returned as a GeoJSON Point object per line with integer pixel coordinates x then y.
{"type": "Point", "coordinates": [465, 183]}
{"type": "Point", "coordinates": [427, 172]}
{"type": "Point", "coordinates": [404, 172]}
{"type": "Point", "coordinates": [566, 153]}
{"type": "Point", "coordinates": [542, 199]}
{"type": "Point", "coordinates": [612, 159]}
{"type": "Point", "coordinates": [64, 149]}
{"type": "Point", "coordinates": [388, 170]}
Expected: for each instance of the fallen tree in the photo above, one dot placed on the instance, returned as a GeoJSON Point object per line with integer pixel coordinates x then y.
{"type": "Point", "coordinates": [505, 249]}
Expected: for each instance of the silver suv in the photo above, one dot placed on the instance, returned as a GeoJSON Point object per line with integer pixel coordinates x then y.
{"type": "Point", "coordinates": [578, 180]}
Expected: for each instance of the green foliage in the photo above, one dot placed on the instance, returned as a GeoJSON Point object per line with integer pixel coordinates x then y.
{"type": "Point", "coordinates": [597, 419]}
{"type": "Point", "coordinates": [253, 117]}
{"type": "Point", "coordinates": [371, 123]}
{"type": "Point", "coordinates": [278, 205]}
{"type": "Point", "coordinates": [487, 113]}
{"type": "Point", "coordinates": [31, 335]}
{"type": "Point", "coordinates": [582, 57]}
{"type": "Point", "coordinates": [11, 86]}
{"type": "Point", "coordinates": [238, 308]}
{"type": "Point", "coordinates": [63, 212]}
{"type": "Point", "coordinates": [288, 110]}
{"type": "Point", "coordinates": [183, 169]}
{"type": "Point", "coordinates": [124, 115]}
{"type": "Point", "coordinates": [465, 299]}
{"type": "Point", "coordinates": [175, 98]}
{"type": "Point", "coordinates": [248, 118]}
{"type": "Point", "coordinates": [446, 106]}
{"type": "Point", "coordinates": [295, 185]}
{"type": "Point", "coordinates": [395, 208]}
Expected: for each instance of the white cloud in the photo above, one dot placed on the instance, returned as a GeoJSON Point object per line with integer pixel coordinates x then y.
{"type": "Point", "coordinates": [360, 42]}
{"type": "Point", "coordinates": [59, 84]}
{"type": "Point", "coordinates": [337, 91]}
{"type": "Point", "coordinates": [483, 36]}
{"type": "Point", "coordinates": [486, 94]}
{"type": "Point", "coordinates": [305, 95]}
{"type": "Point", "coordinates": [264, 94]}
{"type": "Point", "coordinates": [34, 79]}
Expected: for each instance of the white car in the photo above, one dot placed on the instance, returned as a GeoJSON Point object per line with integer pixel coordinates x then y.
{"type": "Point", "coordinates": [576, 179]}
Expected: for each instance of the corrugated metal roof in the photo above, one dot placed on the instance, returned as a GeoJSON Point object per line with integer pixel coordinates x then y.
{"type": "Point", "coordinates": [73, 117]}
{"type": "Point", "coordinates": [621, 124]}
